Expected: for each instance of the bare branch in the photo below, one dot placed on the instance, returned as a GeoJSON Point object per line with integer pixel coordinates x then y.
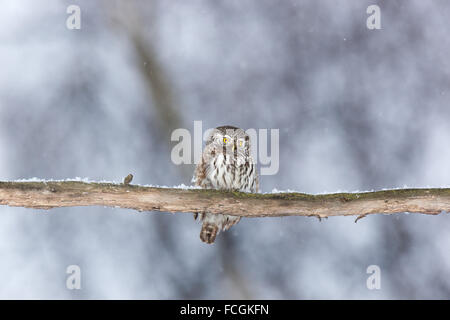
{"type": "Point", "coordinates": [55, 194]}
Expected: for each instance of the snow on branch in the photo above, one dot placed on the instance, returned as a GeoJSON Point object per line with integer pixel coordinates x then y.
{"type": "Point", "coordinates": [55, 194]}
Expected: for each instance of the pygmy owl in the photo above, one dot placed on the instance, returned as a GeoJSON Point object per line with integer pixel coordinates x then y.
{"type": "Point", "coordinates": [226, 164]}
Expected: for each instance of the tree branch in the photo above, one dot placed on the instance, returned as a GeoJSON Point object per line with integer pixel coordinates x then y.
{"type": "Point", "coordinates": [55, 194]}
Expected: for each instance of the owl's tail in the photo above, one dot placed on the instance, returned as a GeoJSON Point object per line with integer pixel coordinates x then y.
{"type": "Point", "coordinates": [209, 232]}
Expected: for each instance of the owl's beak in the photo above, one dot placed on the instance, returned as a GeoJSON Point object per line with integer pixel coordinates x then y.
{"type": "Point", "coordinates": [233, 147]}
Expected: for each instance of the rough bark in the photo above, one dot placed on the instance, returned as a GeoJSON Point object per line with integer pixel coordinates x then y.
{"type": "Point", "coordinates": [55, 194]}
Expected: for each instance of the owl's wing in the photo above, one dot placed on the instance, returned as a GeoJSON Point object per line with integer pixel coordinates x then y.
{"type": "Point", "coordinates": [255, 177]}
{"type": "Point", "coordinates": [201, 174]}
{"type": "Point", "coordinates": [256, 190]}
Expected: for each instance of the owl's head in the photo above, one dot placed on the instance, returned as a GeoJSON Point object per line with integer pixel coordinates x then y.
{"type": "Point", "coordinates": [230, 140]}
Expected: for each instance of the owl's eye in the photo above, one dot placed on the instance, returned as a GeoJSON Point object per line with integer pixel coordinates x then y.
{"type": "Point", "coordinates": [241, 143]}
{"type": "Point", "coordinates": [225, 140]}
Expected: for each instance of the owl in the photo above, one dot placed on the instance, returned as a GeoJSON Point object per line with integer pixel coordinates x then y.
{"type": "Point", "coordinates": [226, 164]}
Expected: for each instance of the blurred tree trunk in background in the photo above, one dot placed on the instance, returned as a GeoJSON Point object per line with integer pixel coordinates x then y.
{"type": "Point", "coordinates": [164, 101]}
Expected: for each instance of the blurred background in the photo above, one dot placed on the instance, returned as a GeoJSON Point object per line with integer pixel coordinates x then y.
{"type": "Point", "coordinates": [357, 109]}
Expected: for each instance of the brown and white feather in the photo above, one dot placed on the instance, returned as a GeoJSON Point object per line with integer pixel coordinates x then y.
{"type": "Point", "coordinates": [225, 167]}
